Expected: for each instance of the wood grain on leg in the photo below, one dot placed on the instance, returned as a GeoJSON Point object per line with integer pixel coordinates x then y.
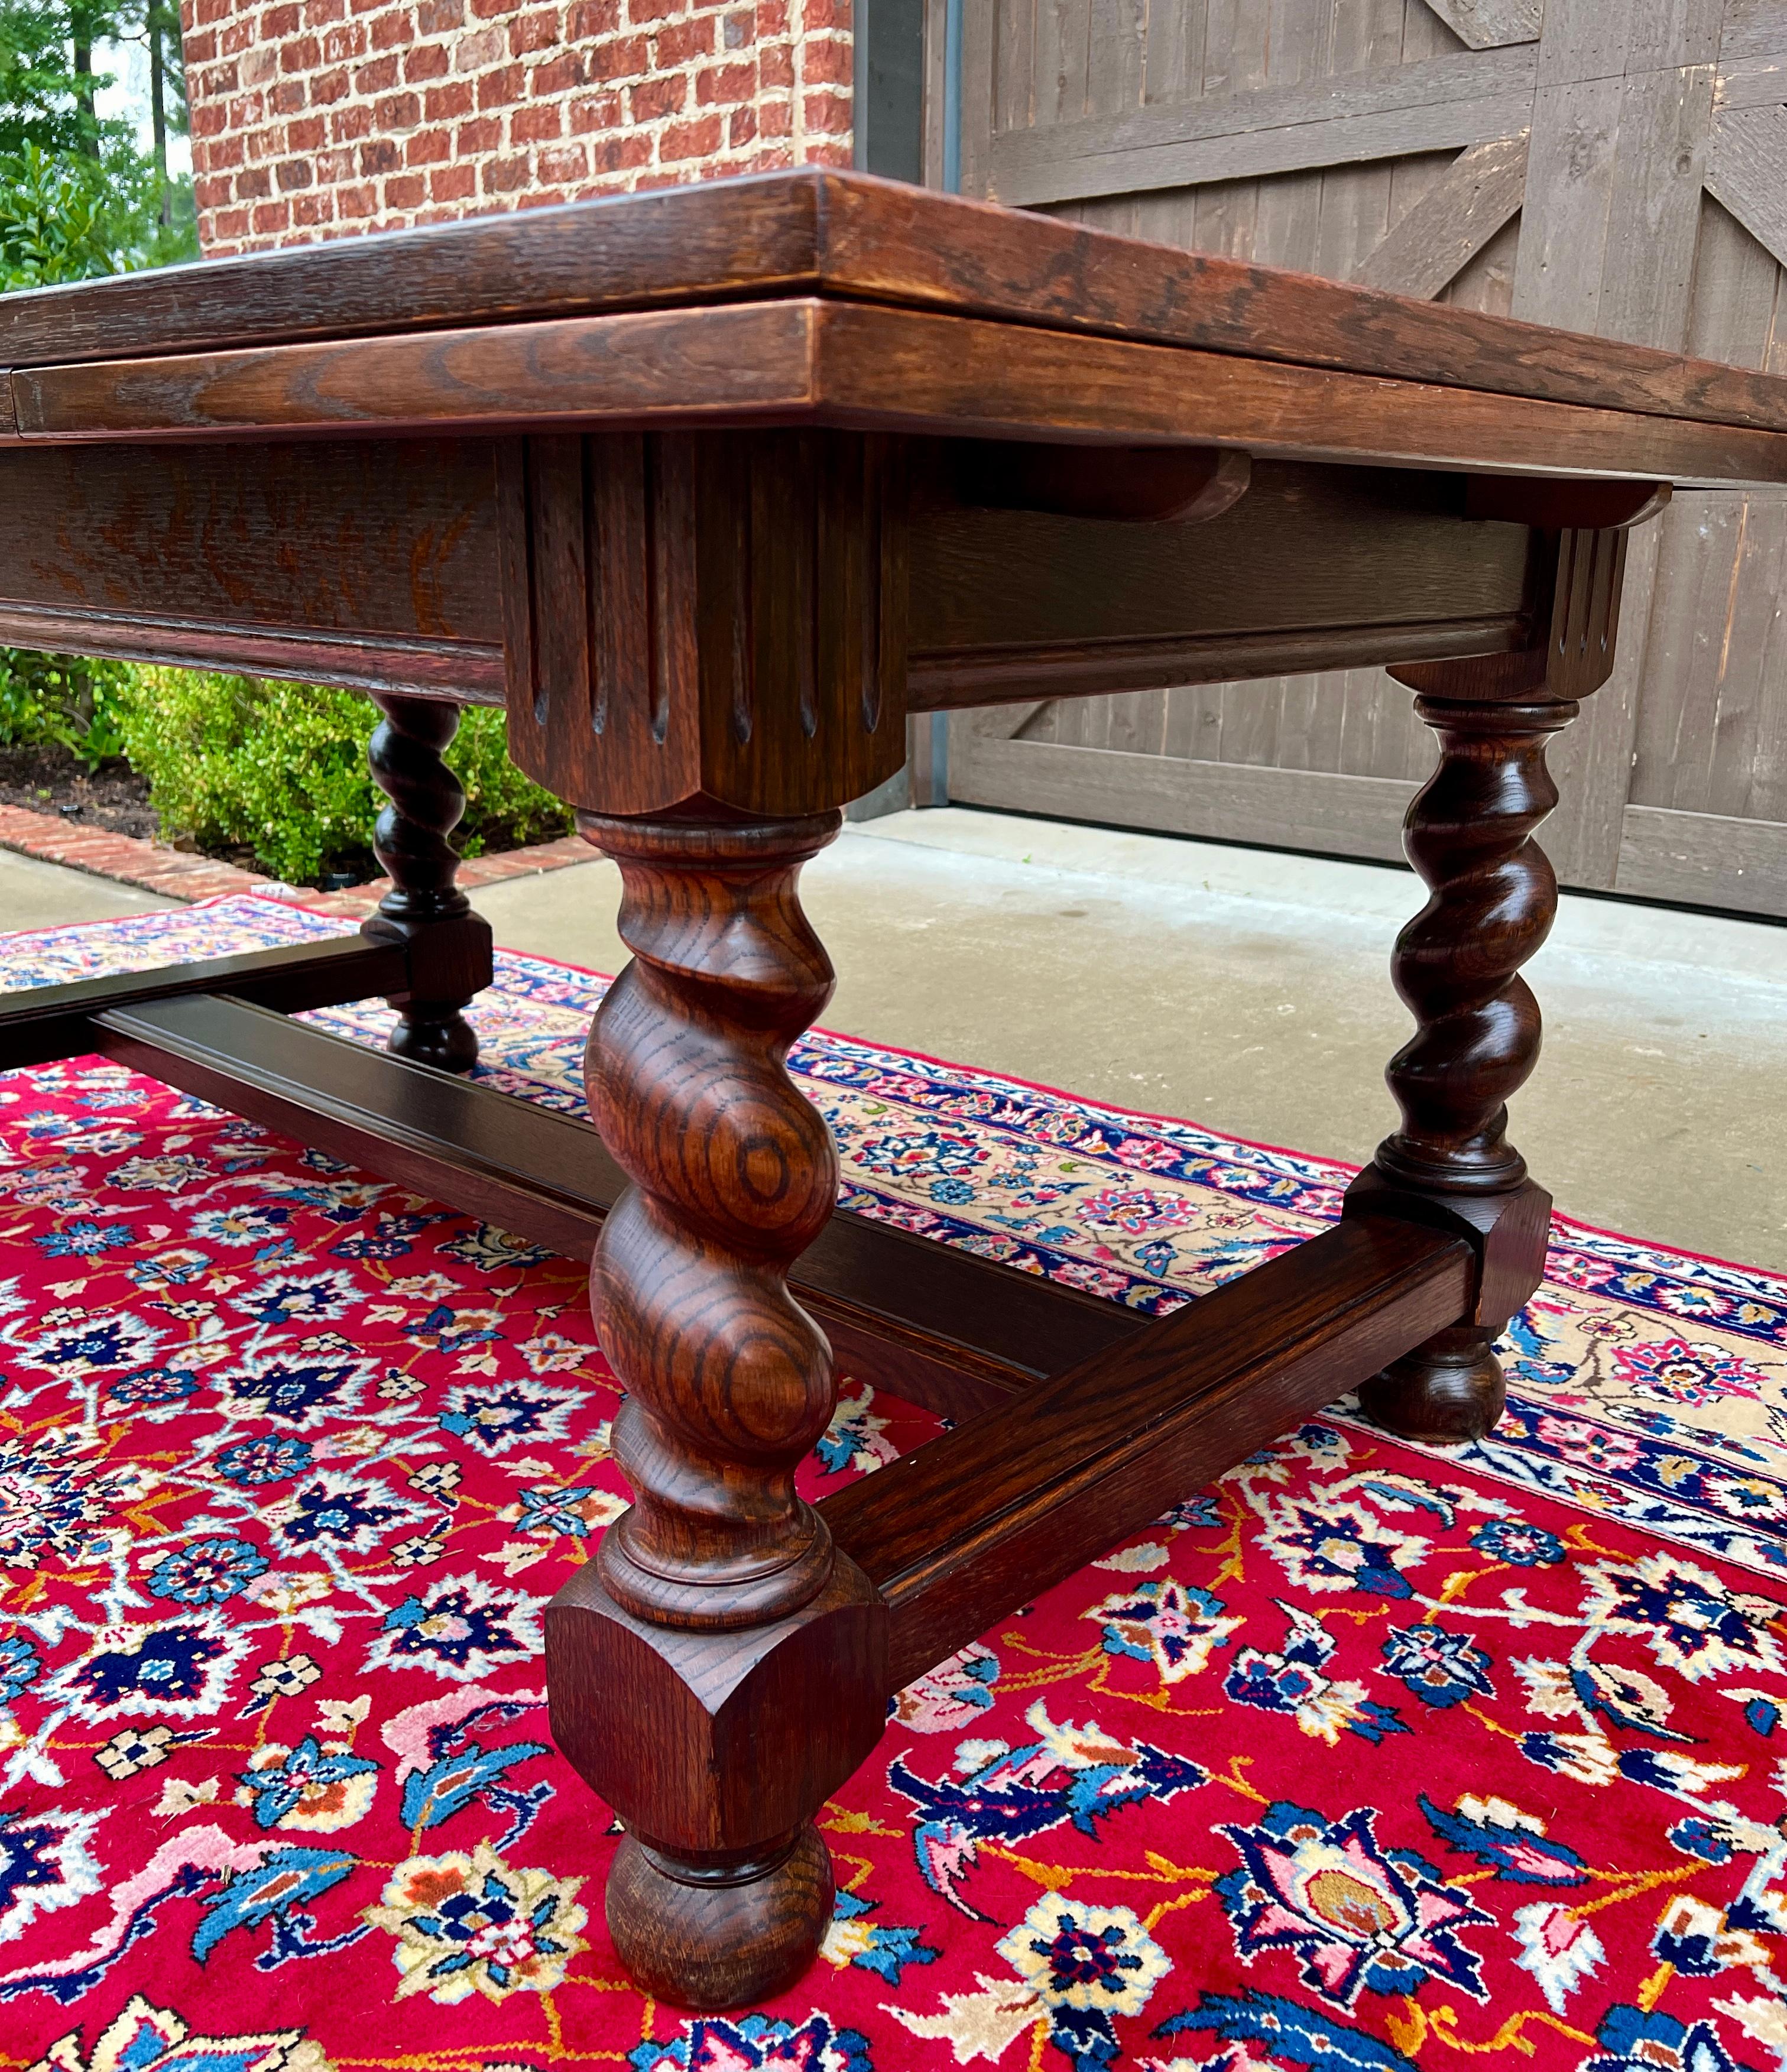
{"type": "Point", "coordinates": [718, 1668]}
{"type": "Point", "coordinates": [729, 1380]}
{"type": "Point", "coordinates": [1469, 833]}
{"type": "Point", "coordinates": [1457, 969]}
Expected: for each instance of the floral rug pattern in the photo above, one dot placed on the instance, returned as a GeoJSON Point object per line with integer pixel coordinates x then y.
{"type": "Point", "coordinates": [1366, 1756]}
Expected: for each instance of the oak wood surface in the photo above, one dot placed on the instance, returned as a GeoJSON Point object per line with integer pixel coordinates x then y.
{"type": "Point", "coordinates": [1370, 547]}
{"type": "Point", "coordinates": [1134, 485]}
{"type": "Point", "coordinates": [733, 1173]}
{"type": "Point", "coordinates": [446, 946]}
{"type": "Point", "coordinates": [1634, 106]}
{"type": "Point", "coordinates": [1580, 581]}
{"type": "Point", "coordinates": [718, 1897]}
{"type": "Point", "coordinates": [470, 672]}
{"type": "Point", "coordinates": [369, 563]}
{"type": "Point", "coordinates": [377, 564]}
{"type": "Point", "coordinates": [1456, 967]}
{"type": "Point", "coordinates": [720, 362]}
{"type": "Point", "coordinates": [744, 238]}
{"type": "Point", "coordinates": [849, 235]}
{"type": "Point", "coordinates": [41, 1022]}
{"type": "Point", "coordinates": [689, 617]}
{"type": "Point", "coordinates": [659, 472]}
{"type": "Point", "coordinates": [970, 1526]}
{"type": "Point", "coordinates": [941, 1325]}
{"type": "Point", "coordinates": [716, 1749]}
{"type": "Point", "coordinates": [843, 363]}
{"type": "Point", "coordinates": [1023, 673]}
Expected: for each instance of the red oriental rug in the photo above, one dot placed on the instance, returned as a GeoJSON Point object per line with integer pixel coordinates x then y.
{"type": "Point", "coordinates": [1364, 1758]}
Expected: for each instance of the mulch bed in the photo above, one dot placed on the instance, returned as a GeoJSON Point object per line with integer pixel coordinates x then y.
{"type": "Point", "coordinates": [53, 780]}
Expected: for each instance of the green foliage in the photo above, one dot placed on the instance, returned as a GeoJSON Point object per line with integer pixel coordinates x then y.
{"type": "Point", "coordinates": [53, 223]}
{"type": "Point", "coordinates": [46, 80]}
{"type": "Point", "coordinates": [281, 769]}
{"type": "Point", "coordinates": [65, 698]}
{"type": "Point", "coordinates": [73, 219]}
{"type": "Point", "coordinates": [79, 197]}
{"type": "Point", "coordinates": [231, 763]}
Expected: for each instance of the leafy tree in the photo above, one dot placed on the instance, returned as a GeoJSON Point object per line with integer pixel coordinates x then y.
{"type": "Point", "coordinates": [279, 769]}
{"type": "Point", "coordinates": [167, 101]}
{"type": "Point", "coordinates": [46, 79]}
{"type": "Point", "coordinates": [78, 194]}
{"type": "Point", "coordinates": [72, 700]}
{"type": "Point", "coordinates": [80, 198]}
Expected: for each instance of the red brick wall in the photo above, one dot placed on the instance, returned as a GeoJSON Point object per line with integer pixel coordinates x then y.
{"type": "Point", "coordinates": [320, 118]}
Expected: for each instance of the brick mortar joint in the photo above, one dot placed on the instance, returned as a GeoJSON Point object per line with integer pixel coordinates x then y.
{"type": "Point", "coordinates": [461, 156]}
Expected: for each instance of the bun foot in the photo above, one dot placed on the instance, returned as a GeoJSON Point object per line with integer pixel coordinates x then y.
{"type": "Point", "coordinates": [447, 1042]}
{"type": "Point", "coordinates": [1444, 1393]}
{"type": "Point", "coordinates": [729, 1935]}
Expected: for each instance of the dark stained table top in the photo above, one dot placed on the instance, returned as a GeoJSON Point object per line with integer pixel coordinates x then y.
{"type": "Point", "coordinates": [831, 297]}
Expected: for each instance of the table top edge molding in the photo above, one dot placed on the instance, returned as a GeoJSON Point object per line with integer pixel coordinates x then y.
{"type": "Point", "coordinates": [849, 235]}
{"type": "Point", "coordinates": [869, 366]}
{"type": "Point", "coordinates": [970, 383]}
{"type": "Point", "coordinates": [751, 360]}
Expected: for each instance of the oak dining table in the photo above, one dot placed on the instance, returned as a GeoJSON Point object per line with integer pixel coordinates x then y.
{"type": "Point", "coordinates": [712, 488]}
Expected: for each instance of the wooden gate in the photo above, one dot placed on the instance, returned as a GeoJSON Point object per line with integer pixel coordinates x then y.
{"type": "Point", "coordinates": [1611, 166]}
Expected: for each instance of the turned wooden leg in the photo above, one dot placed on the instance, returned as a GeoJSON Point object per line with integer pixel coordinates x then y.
{"type": "Point", "coordinates": [449, 945]}
{"type": "Point", "coordinates": [1456, 965]}
{"type": "Point", "coordinates": [719, 1667]}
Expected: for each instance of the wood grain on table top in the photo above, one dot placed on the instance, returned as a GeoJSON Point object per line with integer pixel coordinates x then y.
{"type": "Point", "coordinates": [813, 360]}
{"type": "Point", "coordinates": [816, 235]}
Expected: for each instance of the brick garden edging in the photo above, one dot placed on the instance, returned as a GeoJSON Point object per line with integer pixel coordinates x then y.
{"type": "Point", "coordinates": [154, 867]}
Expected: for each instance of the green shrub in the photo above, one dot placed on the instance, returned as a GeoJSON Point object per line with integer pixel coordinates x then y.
{"type": "Point", "coordinates": [281, 769]}
{"type": "Point", "coordinates": [65, 698]}
{"type": "Point", "coordinates": [70, 217]}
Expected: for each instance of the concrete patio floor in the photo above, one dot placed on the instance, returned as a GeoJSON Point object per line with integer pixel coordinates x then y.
{"type": "Point", "coordinates": [1248, 991]}
{"type": "Point", "coordinates": [44, 895]}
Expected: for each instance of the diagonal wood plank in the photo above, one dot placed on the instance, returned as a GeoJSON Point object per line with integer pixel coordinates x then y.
{"type": "Point", "coordinates": [1005, 722]}
{"type": "Point", "coordinates": [1752, 27]}
{"type": "Point", "coordinates": [1436, 104]}
{"type": "Point", "coordinates": [1451, 222]}
{"type": "Point", "coordinates": [1608, 239]}
{"type": "Point", "coordinates": [1757, 81]}
{"type": "Point", "coordinates": [1491, 25]}
{"type": "Point", "coordinates": [1747, 172]}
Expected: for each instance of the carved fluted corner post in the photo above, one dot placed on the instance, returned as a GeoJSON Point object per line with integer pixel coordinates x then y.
{"type": "Point", "coordinates": [705, 643]}
{"type": "Point", "coordinates": [1456, 966]}
{"type": "Point", "coordinates": [1493, 896]}
{"type": "Point", "coordinates": [449, 946]}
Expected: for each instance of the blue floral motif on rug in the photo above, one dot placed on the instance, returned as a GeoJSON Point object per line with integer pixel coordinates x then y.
{"type": "Point", "coordinates": [1364, 1756]}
